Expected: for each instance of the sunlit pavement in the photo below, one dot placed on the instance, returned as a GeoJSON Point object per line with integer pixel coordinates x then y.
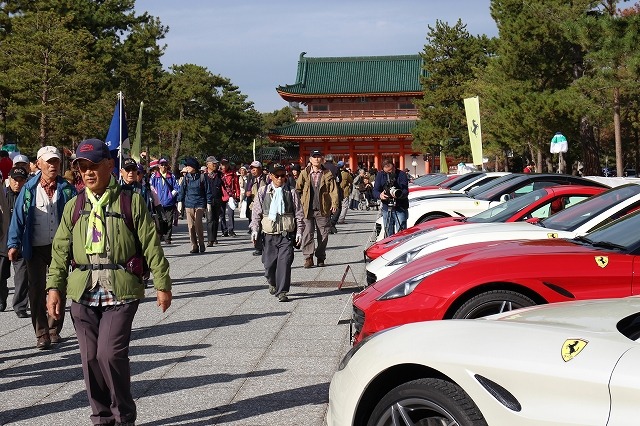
{"type": "Point", "coordinates": [225, 353]}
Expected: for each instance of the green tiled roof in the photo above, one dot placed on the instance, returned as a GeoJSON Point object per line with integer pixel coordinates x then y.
{"type": "Point", "coordinates": [357, 75]}
{"type": "Point", "coordinates": [344, 128]}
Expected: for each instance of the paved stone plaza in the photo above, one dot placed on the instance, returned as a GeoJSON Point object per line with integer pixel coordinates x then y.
{"type": "Point", "coordinates": [225, 353]}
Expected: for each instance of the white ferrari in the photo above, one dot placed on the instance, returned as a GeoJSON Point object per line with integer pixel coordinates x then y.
{"type": "Point", "coordinates": [574, 363]}
{"type": "Point", "coordinates": [575, 221]}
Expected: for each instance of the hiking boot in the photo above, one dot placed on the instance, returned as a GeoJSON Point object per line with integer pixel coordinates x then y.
{"type": "Point", "coordinates": [308, 262]}
{"type": "Point", "coordinates": [282, 297]}
{"type": "Point", "coordinates": [54, 338]}
{"type": "Point", "coordinates": [43, 342]}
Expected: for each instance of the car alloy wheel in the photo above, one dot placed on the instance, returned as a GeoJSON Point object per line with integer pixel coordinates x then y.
{"type": "Point", "coordinates": [492, 302]}
{"type": "Point", "coordinates": [428, 402]}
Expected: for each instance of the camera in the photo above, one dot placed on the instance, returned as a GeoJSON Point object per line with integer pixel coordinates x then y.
{"type": "Point", "coordinates": [393, 192]}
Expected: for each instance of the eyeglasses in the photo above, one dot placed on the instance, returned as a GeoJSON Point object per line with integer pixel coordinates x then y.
{"type": "Point", "coordinates": [84, 166]}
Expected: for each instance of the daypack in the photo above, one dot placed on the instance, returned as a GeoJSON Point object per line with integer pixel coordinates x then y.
{"type": "Point", "coordinates": [142, 270]}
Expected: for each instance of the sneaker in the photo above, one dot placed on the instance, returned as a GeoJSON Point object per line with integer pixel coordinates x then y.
{"type": "Point", "coordinates": [232, 234]}
{"type": "Point", "coordinates": [308, 262]}
{"type": "Point", "coordinates": [282, 297]}
{"type": "Point", "coordinates": [257, 253]}
{"type": "Point", "coordinates": [225, 234]}
{"type": "Point", "coordinates": [321, 263]}
{"type": "Point", "coordinates": [210, 244]}
{"type": "Point", "coordinates": [272, 289]}
{"type": "Point", "coordinates": [22, 314]}
{"type": "Point", "coordinates": [43, 342]}
{"type": "Point", "coordinates": [333, 230]}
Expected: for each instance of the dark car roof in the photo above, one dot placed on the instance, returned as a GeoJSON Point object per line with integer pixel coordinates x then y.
{"type": "Point", "coordinates": [538, 180]}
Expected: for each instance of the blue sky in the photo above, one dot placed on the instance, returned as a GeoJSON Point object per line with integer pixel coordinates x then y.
{"type": "Point", "coordinates": [256, 43]}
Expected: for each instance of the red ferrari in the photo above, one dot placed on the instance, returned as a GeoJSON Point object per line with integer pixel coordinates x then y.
{"type": "Point", "coordinates": [485, 278]}
{"type": "Point", "coordinates": [540, 204]}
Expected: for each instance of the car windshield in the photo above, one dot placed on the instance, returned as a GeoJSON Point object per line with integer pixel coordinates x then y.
{"type": "Point", "coordinates": [570, 219]}
{"type": "Point", "coordinates": [430, 180]}
{"type": "Point", "coordinates": [504, 211]}
{"type": "Point", "coordinates": [622, 233]}
{"type": "Point", "coordinates": [491, 184]}
{"type": "Point", "coordinates": [462, 180]}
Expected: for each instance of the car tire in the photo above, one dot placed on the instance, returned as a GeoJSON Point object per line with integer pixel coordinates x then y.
{"type": "Point", "coordinates": [492, 302]}
{"type": "Point", "coordinates": [429, 217]}
{"type": "Point", "coordinates": [426, 401]}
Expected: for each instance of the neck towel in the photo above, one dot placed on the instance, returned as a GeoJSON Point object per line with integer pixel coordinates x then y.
{"type": "Point", "coordinates": [94, 243]}
{"type": "Point", "coordinates": [277, 204]}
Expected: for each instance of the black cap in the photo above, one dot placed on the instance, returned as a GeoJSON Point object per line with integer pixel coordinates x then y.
{"type": "Point", "coordinates": [295, 167]}
{"type": "Point", "coordinates": [316, 153]}
{"type": "Point", "coordinates": [129, 163]}
{"type": "Point", "coordinates": [19, 172]}
{"type": "Point", "coordinates": [275, 168]}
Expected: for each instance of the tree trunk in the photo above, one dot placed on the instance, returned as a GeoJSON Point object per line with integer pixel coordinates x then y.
{"type": "Point", "coordinates": [617, 131]}
{"type": "Point", "coordinates": [177, 142]}
{"type": "Point", "coordinates": [590, 149]}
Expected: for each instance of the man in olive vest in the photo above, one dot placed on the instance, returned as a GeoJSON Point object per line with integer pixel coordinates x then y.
{"type": "Point", "coordinates": [278, 212]}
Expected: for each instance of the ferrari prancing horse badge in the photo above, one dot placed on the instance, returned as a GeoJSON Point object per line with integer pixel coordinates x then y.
{"type": "Point", "coordinates": [571, 348]}
{"type": "Point", "coordinates": [602, 261]}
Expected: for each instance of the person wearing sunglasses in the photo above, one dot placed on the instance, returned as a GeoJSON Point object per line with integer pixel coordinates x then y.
{"type": "Point", "coordinates": [277, 213]}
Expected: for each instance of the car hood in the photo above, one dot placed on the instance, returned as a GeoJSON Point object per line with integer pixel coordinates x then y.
{"type": "Point", "coordinates": [474, 232]}
{"type": "Point", "coordinates": [599, 315]}
{"type": "Point", "coordinates": [482, 252]}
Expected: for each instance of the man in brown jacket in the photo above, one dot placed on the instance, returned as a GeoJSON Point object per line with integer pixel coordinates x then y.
{"type": "Point", "coordinates": [319, 197]}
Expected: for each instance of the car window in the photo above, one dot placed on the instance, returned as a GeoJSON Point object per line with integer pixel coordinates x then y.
{"type": "Point", "coordinates": [504, 211]}
{"type": "Point", "coordinates": [570, 219]}
{"type": "Point", "coordinates": [486, 191]}
{"type": "Point", "coordinates": [461, 181]}
{"type": "Point", "coordinates": [622, 232]}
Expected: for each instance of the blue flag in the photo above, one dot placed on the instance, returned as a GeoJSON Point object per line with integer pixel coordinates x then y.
{"type": "Point", "coordinates": [118, 136]}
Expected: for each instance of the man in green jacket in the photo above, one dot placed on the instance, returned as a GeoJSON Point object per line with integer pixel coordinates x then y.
{"type": "Point", "coordinates": [105, 284]}
{"type": "Point", "coordinates": [319, 197]}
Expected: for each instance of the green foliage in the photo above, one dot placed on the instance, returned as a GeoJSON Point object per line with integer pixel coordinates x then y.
{"type": "Point", "coordinates": [450, 56]}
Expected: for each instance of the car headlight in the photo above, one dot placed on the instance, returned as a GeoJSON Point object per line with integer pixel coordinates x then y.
{"type": "Point", "coordinates": [406, 287]}
{"type": "Point", "coordinates": [411, 254]}
{"type": "Point", "coordinates": [347, 357]}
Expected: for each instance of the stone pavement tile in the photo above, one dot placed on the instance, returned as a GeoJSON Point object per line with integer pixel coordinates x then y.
{"type": "Point", "coordinates": [309, 347]}
{"type": "Point", "coordinates": [223, 355]}
{"type": "Point", "coordinates": [272, 411]}
{"type": "Point", "coordinates": [311, 332]}
{"type": "Point", "coordinates": [302, 366]}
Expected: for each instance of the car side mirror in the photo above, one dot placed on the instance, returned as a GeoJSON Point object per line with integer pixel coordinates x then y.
{"type": "Point", "coordinates": [533, 220]}
{"type": "Point", "coordinates": [505, 197]}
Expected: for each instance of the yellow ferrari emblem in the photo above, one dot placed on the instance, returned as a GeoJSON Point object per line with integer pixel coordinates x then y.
{"type": "Point", "coordinates": [602, 261]}
{"type": "Point", "coordinates": [571, 348]}
{"type": "Point", "coordinates": [552, 235]}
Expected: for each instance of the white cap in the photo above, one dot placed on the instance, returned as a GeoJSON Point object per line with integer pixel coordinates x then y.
{"type": "Point", "coordinates": [20, 159]}
{"type": "Point", "coordinates": [48, 152]}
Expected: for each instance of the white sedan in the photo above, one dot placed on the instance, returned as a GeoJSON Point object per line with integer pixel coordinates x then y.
{"type": "Point", "coordinates": [575, 363]}
{"type": "Point", "coordinates": [463, 187]}
{"type": "Point", "coordinates": [578, 220]}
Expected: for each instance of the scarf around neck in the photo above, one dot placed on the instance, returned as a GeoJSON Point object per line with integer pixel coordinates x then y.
{"type": "Point", "coordinates": [277, 204]}
{"type": "Point", "coordinates": [94, 243]}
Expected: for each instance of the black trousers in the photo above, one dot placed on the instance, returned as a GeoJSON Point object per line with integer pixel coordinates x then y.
{"type": "Point", "coordinates": [167, 214]}
{"type": "Point", "coordinates": [104, 333]}
{"type": "Point", "coordinates": [20, 282]}
{"type": "Point", "coordinates": [277, 258]}
{"type": "Point", "coordinates": [213, 217]}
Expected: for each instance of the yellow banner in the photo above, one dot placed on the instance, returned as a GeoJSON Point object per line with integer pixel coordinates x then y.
{"type": "Point", "coordinates": [472, 109]}
{"type": "Point", "coordinates": [444, 168]}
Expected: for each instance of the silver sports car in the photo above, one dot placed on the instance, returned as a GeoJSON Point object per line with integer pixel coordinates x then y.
{"type": "Point", "coordinates": [575, 363]}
